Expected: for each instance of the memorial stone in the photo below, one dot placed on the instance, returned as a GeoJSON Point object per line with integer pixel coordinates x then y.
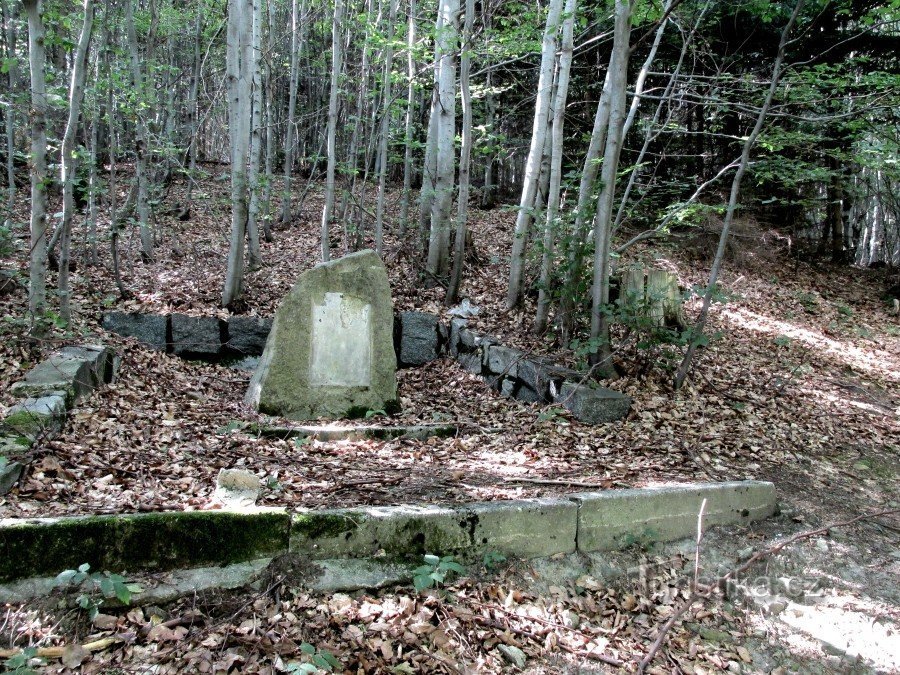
{"type": "Point", "coordinates": [330, 352]}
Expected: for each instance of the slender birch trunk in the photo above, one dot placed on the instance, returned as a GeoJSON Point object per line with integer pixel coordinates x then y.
{"type": "Point", "coordinates": [535, 155]}
{"type": "Point", "coordinates": [256, 137]}
{"type": "Point", "coordinates": [238, 76]}
{"type": "Point", "coordinates": [194, 113]}
{"type": "Point", "coordinates": [141, 137]}
{"type": "Point", "coordinates": [465, 158]}
{"type": "Point", "coordinates": [601, 358]}
{"type": "Point", "coordinates": [559, 112]}
{"type": "Point", "coordinates": [269, 121]}
{"type": "Point", "coordinates": [68, 160]}
{"type": "Point", "coordinates": [439, 240]}
{"type": "Point", "coordinates": [700, 325]}
{"type": "Point", "coordinates": [37, 267]}
{"type": "Point", "coordinates": [10, 117]}
{"type": "Point", "coordinates": [410, 112]}
{"type": "Point", "coordinates": [429, 166]}
{"type": "Point", "coordinates": [385, 128]}
{"type": "Point", "coordinates": [292, 111]}
{"type": "Point", "coordinates": [488, 196]}
{"type": "Point", "coordinates": [336, 58]}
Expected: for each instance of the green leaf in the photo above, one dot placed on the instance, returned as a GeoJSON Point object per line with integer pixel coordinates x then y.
{"type": "Point", "coordinates": [432, 559]}
{"type": "Point", "coordinates": [107, 587]}
{"type": "Point", "coordinates": [307, 648]}
{"type": "Point", "coordinates": [454, 566]}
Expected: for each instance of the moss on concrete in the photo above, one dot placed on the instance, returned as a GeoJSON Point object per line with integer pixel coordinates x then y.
{"type": "Point", "coordinates": [314, 526]}
{"type": "Point", "coordinates": [155, 541]}
{"type": "Point", "coordinates": [25, 422]}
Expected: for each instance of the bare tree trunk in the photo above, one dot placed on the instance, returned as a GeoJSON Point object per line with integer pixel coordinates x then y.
{"type": "Point", "coordinates": [439, 239]}
{"type": "Point", "coordinates": [700, 325]}
{"type": "Point", "coordinates": [10, 116]}
{"type": "Point", "coordinates": [292, 111]}
{"type": "Point", "coordinates": [256, 138]}
{"type": "Point", "coordinates": [238, 59]}
{"type": "Point", "coordinates": [141, 137]}
{"type": "Point", "coordinates": [410, 111]}
{"type": "Point", "coordinates": [269, 121]}
{"type": "Point", "coordinates": [429, 166]}
{"type": "Point", "coordinates": [336, 47]}
{"type": "Point", "coordinates": [465, 158]}
{"type": "Point", "coordinates": [194, 111]}
{"type": "Point", "coordinates": [37, 267]}
{"type": "Point", "coordinates": [601, 358]}
{"type": "Point", "coordinates": [68, 159]}
{"type": "Point", "coordinates": [559, 110]}
{"type": "Point", "coordinates": [535, 155]}
{"type": "Point", "coordinates": [385, 128]}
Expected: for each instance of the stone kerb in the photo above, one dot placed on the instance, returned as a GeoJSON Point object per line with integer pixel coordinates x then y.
{"type": "Point", "coordinates": [331, 349]}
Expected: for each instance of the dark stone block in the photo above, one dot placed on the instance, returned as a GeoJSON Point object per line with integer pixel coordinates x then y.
{"type": "Point", "coordinates": [503, 360]}
{"type": "Point", "coordinates": [248, 334]}
{"type": "Point", "coordinates": [148, 329]}
{"type": "Point", "coordinates": [593, 405]}
{"type": "Point", "coordinates": [419, 338]}
{"type": "Point", "coordinates": [200, 335]}
{"type": "Point", "coordinates": [539, 373]}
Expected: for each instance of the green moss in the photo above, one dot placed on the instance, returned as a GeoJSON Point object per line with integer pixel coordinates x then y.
{"type": "Point", "coordinates": [156, 541]}
{"type": "Point", "coordinates": [313, 526]}
{"type": "Point", "coordinates": [25, 422]}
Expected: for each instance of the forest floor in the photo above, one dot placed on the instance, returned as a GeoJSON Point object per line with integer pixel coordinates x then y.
{"type": "Point", "coordinates": [801, 386]}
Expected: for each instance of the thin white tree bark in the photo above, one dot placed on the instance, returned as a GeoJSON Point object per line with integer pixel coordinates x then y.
{"type": "Point", "coordinates": [429, 165]}
{"type": "Point", "coordinates": [535, 155]}
{"type": "Point", "coordinates": [559, 113]}
{"type": "Point", "coordinates": [10, 113]}
{"type": "Point", "coordinates": [292, 111]}
{"type": "Point", "coordinates": [410, 112]}
{"type": "Point", "coordinates": [439, 240]}
{"type": "Point", "coordinates": [465, 157]}
{"type": "Point", "coordinates": [336, 58]}
{"type": "Point", "coordinates": [700, 324]}
{"type": "Point", "coordinates": [68, 160]}
{"type": "Point", "coordinates": [385, 128]}
{"type": "Point", "coordinates": [256, 137]}
{"type": "Point", "coordinates": [37, 266]}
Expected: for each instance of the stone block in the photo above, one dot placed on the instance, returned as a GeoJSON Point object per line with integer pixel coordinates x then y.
{"type": "Point", "coordinates": [419, 338]}
{"type": "Point", "coordinates": [331, 350]}
{"type": "Point", "coordinates": [196, 335]}
{"type": "Point", "coordinates": [593, 405]}
{"type": "Point", "coordinates": [237, 488]}
{"type": "Point", "coordinates": [526, 394]}
{"type": "Point", "coordinates": [538, 373]}
{"type": "Point", "coordinates": [101, 358]}
{"type": "Point", "coordinates": [456, 325]}
{"type": "Point", "coordinates": [9, 476]}
{"type": "Point", "coordinates": [470, 361]}
{"type": "Point", "coordinates": [34, 416]}
{"type": "Point", "coordinates": [617, 519]}
{"type": "Point", "coordinates": [149, 329]}
{"type": "Point", "coordinates": [503, 360]}
{"type": "Point", "coordinates": [73, 377]}
{"type": "Point", "coordinates": [248, 334]}
{"type": "Point", "coordinates": [527, 528]}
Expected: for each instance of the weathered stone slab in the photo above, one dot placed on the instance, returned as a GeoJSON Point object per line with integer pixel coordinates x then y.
{"type": "Point", "coordinates": [9, 476]}
{"type": "Point", "coordinates": [503, 360]}
{"type": "Point", "coordinates": [149, 329]}
{"type": "Point", "coordinates": [538, 373]}
{"type": "Point", "coordinates": [200, 335]}
{"type": "Point", "coordinates": [248, 334]}
{"type": "Point", "coordinates": [34, 416]}
{"type": "Point", "coordinates": [456, 325]}
{"type": "Point", "coordinates": [73, 377]}
{"type": "Point", "coordinates": [593, 405]}
{"type": "Point", "coordinates": [419, 338]}
{"type": "Point", "coordinates": [331, 352]}
{"type": "Point", "coordinates": [151, 541]}
{"type": "Point", "coordinates": [101, 358]}
{"type": "Point", "coordinates": [527, 528]}
{"type": "Point", "coordinates": [620, 518]}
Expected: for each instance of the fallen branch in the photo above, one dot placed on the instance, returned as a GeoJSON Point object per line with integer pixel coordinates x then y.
{"type": "Point", "coordinates": [708, 590]}
{"type": "Point", "coordinates": [57, 652]}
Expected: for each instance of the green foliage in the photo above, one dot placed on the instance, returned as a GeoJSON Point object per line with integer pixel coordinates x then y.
{"type": "Point", "coordinates": [317, 660]}
{"type": "Point", "coordinates": [551, 414]}
{"type": "Point", "coordinates": [375, 413]}
{"type": "Point", "coordinates": [7, 247]}
{"type": "Point", "coordinates": [492, 560]}
{"type": "Point", "coordinates": [109, 585]}
{"type": "Point", "coordinates": [20, 663]}
{"type": "Point", "coordinates": [782, 340]}
{"type": "Point", "coordinates": [435, 572]}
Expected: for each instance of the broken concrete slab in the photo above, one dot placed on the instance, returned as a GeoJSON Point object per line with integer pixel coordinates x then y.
{"type": "Point", "coordinates": [74, 377]}
{"type": "Point", "coordinates": [331, 350]}
{"type": "Point", "coordinates": [101, 358]}
{"type": "Point", "coordinates": [593, 405]}
{"type": "Point", "coordinates": [149, 329]}
{"type": "Point", "coordinates": [527, 528]}
{"type": "Point", "coordinates": [617, 519]}
{"type": "Point", "coordinates": [35, 416]}
{"type": "Point", "coordinates": [196, 335]}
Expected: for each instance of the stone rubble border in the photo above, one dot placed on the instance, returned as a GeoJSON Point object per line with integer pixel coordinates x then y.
{"type": "Point", "coordinates": [377, 544]}
{"type": "Point", "coordinates": [419, 338]}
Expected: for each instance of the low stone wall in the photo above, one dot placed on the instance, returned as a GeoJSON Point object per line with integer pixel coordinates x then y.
{"type": "Point", "coordinates": [48, 391]}
{"type": "Point", "coordinates": [419, 337]}
{"type": "Point", "coordinates": [528, 528]}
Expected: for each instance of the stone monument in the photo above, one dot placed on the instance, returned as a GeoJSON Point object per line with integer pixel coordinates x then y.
{"type": "Point", "coordinates": [331, 352]}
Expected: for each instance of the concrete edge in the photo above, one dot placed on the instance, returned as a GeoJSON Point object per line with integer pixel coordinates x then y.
{"type": "Point", "coordinates": [369, 546]}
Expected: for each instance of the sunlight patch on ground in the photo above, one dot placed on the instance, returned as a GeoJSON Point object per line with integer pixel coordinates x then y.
{"type": "Point", "coordinates": [872, 360]}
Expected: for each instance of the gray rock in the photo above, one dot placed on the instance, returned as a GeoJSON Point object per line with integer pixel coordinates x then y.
{"type": "Point", "coordinates": [74, 377]}
{"type": "Point", "coordinates": [513, 654]}
{"type": "Point", "coordinates": [539, 373]}
{"type": "Point", "coordinates": [148, 329]}
{"type": "Point", "coordinates": [507, 387]}
{"type": "Point", "coordinates": [9, 284]}
{"type": "Point", "coordinates": [528, 395]}
{"type": "Point", "coordinates": [248, 334]}
{"type": "Point", "coordinates": [237, 488]}
{"type": "Point", "coordinates": [593, 406]}
{"type": "Point", "coordinates": [196, 335]}
{"type": "Point", "coordinates": [331, 349]}
{"type": "Point", "coordinates": [34, 416]}
{"type": "Point", "coordinates": [9, 476]}
{"type": "Point", "coordinates": [464, 310]}
{"type": "Point", "coordinates": [419, 338]}
{"type": "Point", "coordinates": [503, 360]}
{"type": "Point", "coordinates": [470, 362]}
{"type": "Point", "coordinates": [456, 325]}
{"type": "Point", "coordinates": [101, 358]}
